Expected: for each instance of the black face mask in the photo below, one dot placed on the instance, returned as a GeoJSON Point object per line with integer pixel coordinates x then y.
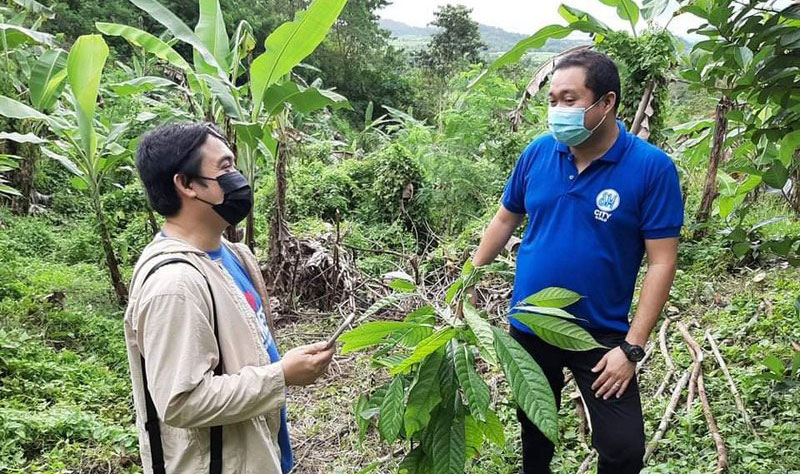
{"type": "Point", "coordinates": [238, 199]}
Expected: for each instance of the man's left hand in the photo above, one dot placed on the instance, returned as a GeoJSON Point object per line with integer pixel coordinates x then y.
{"type": "Point", "coordinates": [616, 374]}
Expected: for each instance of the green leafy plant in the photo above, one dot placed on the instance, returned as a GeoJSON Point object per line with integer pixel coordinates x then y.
{"type": "Point", "coordinates": [438, 357]}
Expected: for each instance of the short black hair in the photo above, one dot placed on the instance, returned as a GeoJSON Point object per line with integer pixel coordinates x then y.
{"type": "Point", "coordinates": [168, 150]}
{"type": "Point", "coordinates": [602, 75]}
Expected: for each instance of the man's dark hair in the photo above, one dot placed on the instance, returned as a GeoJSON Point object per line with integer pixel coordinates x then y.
{"type": "Point", "coordinates": [602, 75]}
{"type": "Point", "coordinates": [168, 150]}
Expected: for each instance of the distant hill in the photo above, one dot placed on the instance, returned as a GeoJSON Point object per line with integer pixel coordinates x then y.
{"type": "Point", "coordinates": [497, 39]}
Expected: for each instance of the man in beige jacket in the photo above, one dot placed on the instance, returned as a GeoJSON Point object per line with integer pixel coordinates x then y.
{"type": "Point", "coordinates": [209, 386]}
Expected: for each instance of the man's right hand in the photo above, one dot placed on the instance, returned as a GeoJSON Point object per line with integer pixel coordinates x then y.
{"type": "Point", "coordinates": [305, 364]}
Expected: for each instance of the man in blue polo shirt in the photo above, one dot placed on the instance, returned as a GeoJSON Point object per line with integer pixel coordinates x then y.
{"type": "Point", "coordinates": [597, 199]}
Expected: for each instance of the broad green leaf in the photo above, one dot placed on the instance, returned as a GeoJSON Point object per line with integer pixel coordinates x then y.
{"type": "Point", "coordinates": [289, 44]}
{"type": "Point", "coordinates": [537, 40]}
{"type": "Point", "coordinates": [574, 15]}
{"type": "Point", "coordinates": [453, 290]}
{"type": "Point", "coordinates": [211, 31]}
{"type": "Point", "coordinates": [371, 333]}
{"type": "Point", "coordinates": [558, 332]}
{"type": "Point", "coordinates": [493, 429]}
{"type": "Point", "coordinates": [553, 297]}
{"type": "Point", "coordinates": [425, 348]}
{"type": "Point", "coordinates": [35, 7]}
{"type": "Point", "coordinates": [16, 35]}
{"type": "Point", "coordinates": [626, 9]}
{"type": "Point", "coordinates": [415, 462]}
{"type": "Point", "coordinates": [391, 414]}
{"type": "Point", "coordinates": [789, 144]}
{"type": "Point", "coordinates": [482, 330]}
{"type": "Point", "coordinates": [468, 268]}
{"type": "Point", "coordinates": [424, 395]}
{"type": "Point", "coordinates": [381, 303]}
{"type": "Point", "coordinates": [140, 84]}
{"type": "Point", "coordinates": [402, 285]}
{"type": "Point", "coordinates": [776, 175]}
{"type": "Point", "coordinates": [85, 63]}
{"type": "Point", "coordinates": [47, 78]}
{"type": "Point", "coordinates": [17, 110]}
{"type": "Point", "coordinates": [529, 386]}
{"type": "Point", "coordinates": [8, 190]}
{"type": "Point", "coordinates": [178, 29]}
{"type": "Point", "coordinates": [66, 162]}
{"type": "Point", "coordinates": [473, 436]}
{"type": "Point", "coordinates": [653, 8]}
{"type": "Point", "coordinates": [79, 183]}
{"type": "Point", "coordinates": [20, 138]}
{"type": "Point", "coordinates": [475, 389]}
{"type": "Point", "coordinates": [558, 312]}
{"type": "Point", "coordinates": [146, 41]}
{"type": "Point", "coordinates": [743, 56]}
{"type": "Point", "coordinates": [774, 364]}
{"type": "Point", "coordinates": [304, 101]}
{"type": "Point", "coordinates": [362, 423]}
{"type": "Point", "coordinates": [448, 444]}
{"type": "Point", "coordinates": [222, 92]}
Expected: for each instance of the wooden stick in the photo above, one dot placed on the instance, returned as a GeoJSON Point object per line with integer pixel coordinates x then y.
{"type": "Point", "coordinates": [664, 424]}
{"type": "Point", "coordinates": [647, 354]}
{"type": "Point", "coordinates": [587, 463]}
{"type": "Point", "coordinates": [662, 342]}
{"type": "Point", "coordinates": [697, 356]}
{"type": "Point", "coordinates": [731, 384]}
{"type": "Point", "coordinates": [722, 452]}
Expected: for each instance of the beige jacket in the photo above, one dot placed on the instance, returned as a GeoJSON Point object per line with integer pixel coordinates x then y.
{"type": "Point", "coordinates": [169, 320]}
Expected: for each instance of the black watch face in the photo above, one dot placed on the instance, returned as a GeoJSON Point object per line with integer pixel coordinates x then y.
{"type": "Point", "coordinates": [635, 353]}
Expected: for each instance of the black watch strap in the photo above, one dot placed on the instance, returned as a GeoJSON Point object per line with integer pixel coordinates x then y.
{"type": "Point", "coordinates": [633, 352]}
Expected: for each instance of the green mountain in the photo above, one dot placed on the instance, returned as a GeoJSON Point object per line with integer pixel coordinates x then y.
{"type": "Point", "coordinates": [497, 39]}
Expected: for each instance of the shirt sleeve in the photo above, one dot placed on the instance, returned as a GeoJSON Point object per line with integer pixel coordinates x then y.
{"type": "Point", "coordinates": [662, 209]}
{"type": "Point", "coordinates": [514, 192]}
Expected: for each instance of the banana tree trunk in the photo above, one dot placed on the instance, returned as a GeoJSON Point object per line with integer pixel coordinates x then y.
{"type": "Point", "coordinates": [22, 178]}
{"type": "Point", "coordinates": [112, 263]}
{"type": "Point", "coordinates": [720, 130]}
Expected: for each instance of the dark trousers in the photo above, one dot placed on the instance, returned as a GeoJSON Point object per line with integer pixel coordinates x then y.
{"type": "Point", "coordinates": [617, 425]}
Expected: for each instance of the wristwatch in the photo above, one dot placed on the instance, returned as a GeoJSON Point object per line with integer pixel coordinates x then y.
{"type": "Point", "coordinates": [633, 352]}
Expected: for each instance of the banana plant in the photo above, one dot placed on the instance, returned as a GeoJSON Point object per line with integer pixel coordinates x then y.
{"type": "Point", "coordinates": [438, 357]}
{"type": "Point", "coordinates": [253, 112]}
{"type": "Point", "coordinates": [35, 71]}
{"type": "Point", "coordinates": [88, 148]}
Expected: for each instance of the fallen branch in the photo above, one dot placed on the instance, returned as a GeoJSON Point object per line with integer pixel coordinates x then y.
{"type": "Point", "coordinates": [664, 424]}
{"type": "Point", "coordinates": [648, 353]}
{"type": "Point", "coordinates": [587, 463]}
{"type": "Point", "coordinates": [662, 342]}
{"type": "Point", "coordinates": [584, 425]}
{"type": "Point", "coordinates": [697, 355]}
{"type": "Point", "coordinates": [722, 452]}
{"type": "Point", "coordinates": [731, 384]}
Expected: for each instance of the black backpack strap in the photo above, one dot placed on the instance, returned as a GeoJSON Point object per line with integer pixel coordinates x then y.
{"type": "Point", "coordinates": [151, 424]}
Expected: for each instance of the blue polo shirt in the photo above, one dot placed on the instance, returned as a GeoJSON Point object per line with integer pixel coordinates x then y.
{"type": "Point", "coordinates": [586, 231]}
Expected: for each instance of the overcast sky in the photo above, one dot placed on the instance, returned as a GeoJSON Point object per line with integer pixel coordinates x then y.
{"type": "Point", "coordinates": [526, 16]}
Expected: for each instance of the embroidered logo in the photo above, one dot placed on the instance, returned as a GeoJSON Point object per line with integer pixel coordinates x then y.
{"type": "Point", "coordinates": [607, 201]}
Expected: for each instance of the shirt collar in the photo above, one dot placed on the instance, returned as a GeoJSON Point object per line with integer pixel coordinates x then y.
{"type": "Point", "coordinates": [614, 153]}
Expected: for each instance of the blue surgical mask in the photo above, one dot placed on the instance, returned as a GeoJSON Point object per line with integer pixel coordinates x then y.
{"type": "Point", "coordinates": [566, 124]}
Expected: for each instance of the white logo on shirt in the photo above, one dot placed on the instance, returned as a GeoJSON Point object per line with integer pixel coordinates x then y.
{"type": "Point", "coordinates": [607, 201]}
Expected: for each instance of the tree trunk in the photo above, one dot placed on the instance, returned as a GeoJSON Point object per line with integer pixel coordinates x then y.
{"type": "Point", "coordinates": [249, 232]}
{"type": "Point", "coordinates": [794, 191]}
{"type": "Point", "coordinates": [120, 289]}
{"type": "Point", "coordinates": [278, 230]}
{"type": "Point", "coordinates": [21, 178]}
{"type": "Point", "coordinates": [151, 218]}
{"type": "Point", "coordinates": [710, 188]}
{"type": "Point", "coordinates": [641, 124]}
